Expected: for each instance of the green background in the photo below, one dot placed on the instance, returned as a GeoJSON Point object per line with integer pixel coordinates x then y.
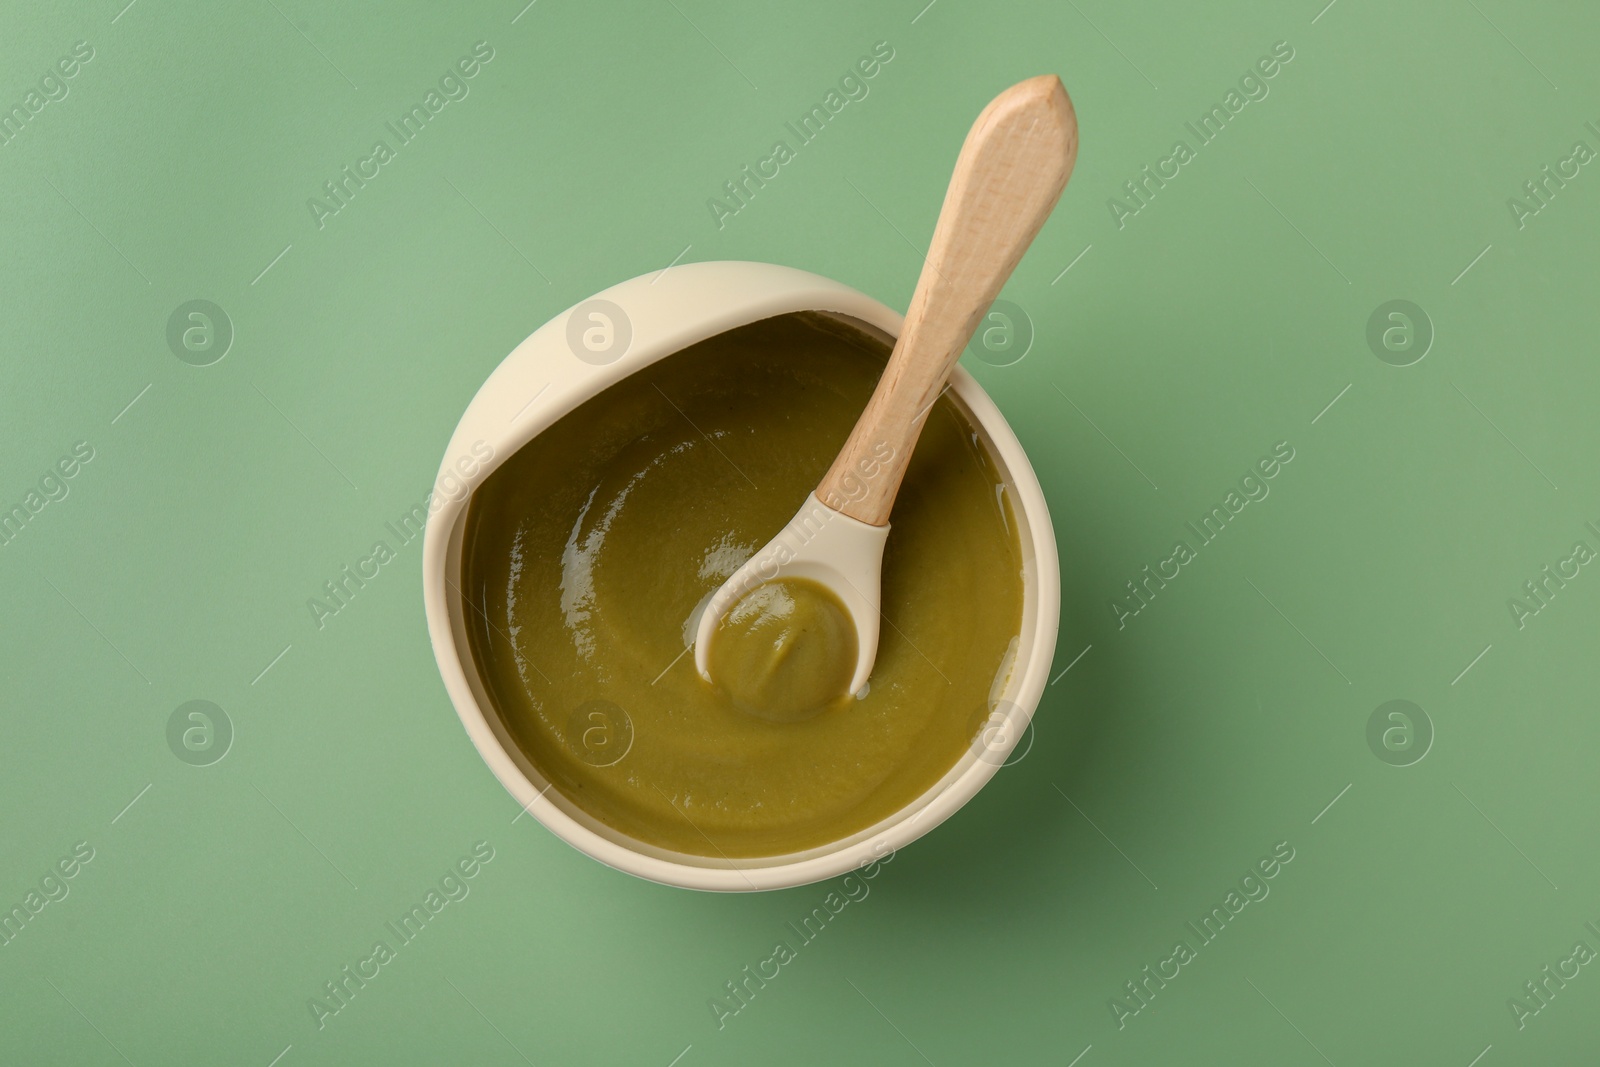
{"type": "Point", "coordinates": [1223, 318]}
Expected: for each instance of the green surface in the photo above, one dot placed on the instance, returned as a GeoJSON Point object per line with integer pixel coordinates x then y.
{"type": "Point", "coordinates": [1220, 319]}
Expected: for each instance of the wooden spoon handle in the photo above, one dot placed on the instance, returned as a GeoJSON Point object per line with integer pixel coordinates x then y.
{"type": "Point", "coordinates": [1012, 168]}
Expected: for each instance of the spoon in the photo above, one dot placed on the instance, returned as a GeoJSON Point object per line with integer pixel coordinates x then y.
{"type": "Point", "coordinates": [1012, 168]}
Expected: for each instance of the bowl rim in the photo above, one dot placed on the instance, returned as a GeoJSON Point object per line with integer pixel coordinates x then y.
{"type": "Point", "coordinates": [667, 311]}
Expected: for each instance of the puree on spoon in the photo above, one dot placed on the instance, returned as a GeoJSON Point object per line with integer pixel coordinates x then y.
{"type": "Point", "coordinates": [785, 650]}
{"type": "Point", "coordinates": [586, 553]}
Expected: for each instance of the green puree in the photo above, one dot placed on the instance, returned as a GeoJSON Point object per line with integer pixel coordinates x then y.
{"type": "Point", "coordinates": [785, 651]}
{"type": "Point", "coordinates": [587, 552]}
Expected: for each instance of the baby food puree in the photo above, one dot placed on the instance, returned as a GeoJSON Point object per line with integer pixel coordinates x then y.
{"type": "Point", "coordinates": [785, 650]}
{"type": "Point", "coordinates": [587, 552]}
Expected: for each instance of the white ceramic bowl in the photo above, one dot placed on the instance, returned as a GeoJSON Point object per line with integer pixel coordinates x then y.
{"type": "Point", "coordinates": [544, 378]}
